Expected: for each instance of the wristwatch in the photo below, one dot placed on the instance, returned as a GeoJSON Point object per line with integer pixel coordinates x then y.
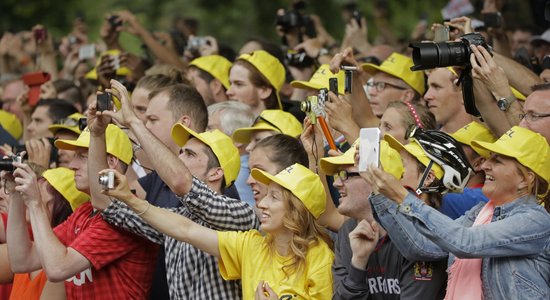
{"type": "Point", "coordinates": [504, 103]}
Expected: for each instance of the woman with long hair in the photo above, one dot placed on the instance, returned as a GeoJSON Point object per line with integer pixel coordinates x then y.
{"type": "Point", "coordinates": [499, 249]}
{"type": "Point", "coordinates": [292, 258]}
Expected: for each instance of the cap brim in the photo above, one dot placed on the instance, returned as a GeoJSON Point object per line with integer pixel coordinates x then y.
{"type": "Point", "coordinates": [493, 148]}
{"type": "Point", "coordinates": [243, 135]}
{"type": "Point", "coordinates": [181, 134]}
{"type": "Point", "coordinates": [394, 143]}
{"type": "Point", "coordinates": [306, 85]}
{"type": "Point", "coordinates": [54, 128]}
{"type": "Point", "coordinates": [71, 145]}
{"type": "Point", "coordinates": [266, 178]}
{"type": "Point", "coordinates": [330, 165]}
{"type": "Point", "coordinates": [372, 68]}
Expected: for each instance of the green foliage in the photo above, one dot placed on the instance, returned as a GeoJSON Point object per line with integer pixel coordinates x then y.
{"type": "Point", "coordinates": [231, 21]}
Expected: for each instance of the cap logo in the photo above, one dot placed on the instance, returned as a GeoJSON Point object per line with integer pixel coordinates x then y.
{"type": "Point", "coordinates": [390, 59]}
{"type": "Point", "coordinates": [289, 169]}
{"type": "Point", "coordinates": [466, 126]}
{"type": "Point", "coordinates": [510, 133]}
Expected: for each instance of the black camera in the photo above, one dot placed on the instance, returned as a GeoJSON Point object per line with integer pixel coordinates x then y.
{"type": "Point", "coordinates": [53, 153]}
{"type": "Point", "coordinates": [298, 59]}
{"type": "Point", "coordinates": [82, 124]}
{"type": "Point", "coordinates": [115, 21]}
{"type": "Point", "coordinates": [295, 19]}
{"type": "Point", "coordinates": [445, 54]}
{"type": "Point", "coordinates": [6, 164]}
{"type": "Point", "coordinates": [104, 101]}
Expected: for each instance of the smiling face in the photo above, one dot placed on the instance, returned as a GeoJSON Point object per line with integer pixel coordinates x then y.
{"type": "Point", "coordinates": [258, 159]}
{"type": "Point", "coordinates": [503, 180]}
{"type": "Point", "coordinates": [272, 209]}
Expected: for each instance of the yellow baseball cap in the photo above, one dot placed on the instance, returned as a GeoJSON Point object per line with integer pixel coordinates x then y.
{"type": "Point", "coordinates": [70, 123]}
{"type": "Point", "coordinates": [62, 180]}
{"type": "Point", "coordinates": [320, 79]}
{"type": "Point", "coordinates": [215, 65]}
{"type": "Point", "coordinates": [270, 119]}
{"type": "Point", "coordinates": [122, 71]}
{"type": "Point", "coordinates": [118, 143]}
{"type": "Point", "coordinates": [270, 67]}
{"type": "Point", "coordinates": [11, 124]}
{"type": "Point", "coordinates": [474, 131]}
{"type": "Point", "coordinates": [389, 158]}
{"type": "Point", "coordinates": [222, 146]}
{"type": "Point", "coordinates": [415, 150]}
{"type": "Point", "coordinates": [301, 182]}
{"type": "Point", "coordinates": [528, 147]}
{"type": "Point", "coordinates": [399, 65]}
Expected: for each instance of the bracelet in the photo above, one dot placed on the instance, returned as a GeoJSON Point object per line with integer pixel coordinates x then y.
{"type": "Point", "coordinates": [146, 209]}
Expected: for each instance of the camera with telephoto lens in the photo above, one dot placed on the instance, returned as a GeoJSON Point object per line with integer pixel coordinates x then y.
{"type": "Point", "coordinates": [107, 181]}
{"type": "Point", "coordinates": [314, 106]}
{"type": "Point", "coordinates": [18, 148]}
{"type": "Point", "coordinates": [445, 54]}
{"type": "Point", "coordinates": [6, 164]}
{"type": "Point", "coordinates": [295, 19]}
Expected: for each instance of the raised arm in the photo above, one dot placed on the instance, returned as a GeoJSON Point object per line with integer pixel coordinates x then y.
{"type": "Point", "coordinates": [169, 167]}
{"type": "Point", "coordinates": [165, 221]}
{"type": "Point", "coordinates": [58, 261]}
{"type": "Point", "coordinates": [23, 256]}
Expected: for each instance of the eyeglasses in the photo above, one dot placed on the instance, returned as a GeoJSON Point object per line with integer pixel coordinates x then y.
{"type": "Point", "coordinates": [344, 175]}
{"type": "Point", "coordinates": [381, 86]}
{"type": "Point", "coordinates": [260, 118]}
{"type": "Point", "coordinates": [532, 117]}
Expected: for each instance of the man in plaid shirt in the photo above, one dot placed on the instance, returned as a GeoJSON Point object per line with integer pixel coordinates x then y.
{"type": "Point", "coordinates": [208, 163]}
{"type": "Point", "coordinates": [96, 260]}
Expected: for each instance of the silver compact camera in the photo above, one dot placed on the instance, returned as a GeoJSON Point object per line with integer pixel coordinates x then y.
{"type": "Point", "coordinates": [107, 181]}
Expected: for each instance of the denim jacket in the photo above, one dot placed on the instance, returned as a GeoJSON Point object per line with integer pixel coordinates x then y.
{"type": "Point", "coordinates": [514, 247]}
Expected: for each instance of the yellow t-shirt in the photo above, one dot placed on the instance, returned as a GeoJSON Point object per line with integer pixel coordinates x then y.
{"type": "Point", "coordinates": [245, 256]}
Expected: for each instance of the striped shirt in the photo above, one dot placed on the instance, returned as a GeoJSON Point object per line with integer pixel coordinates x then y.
{"type": "Point", "coordinates": [192, 273]}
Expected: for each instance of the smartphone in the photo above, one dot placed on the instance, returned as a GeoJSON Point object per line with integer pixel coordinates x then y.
{"type": "Point", "coordinates": [333, 85]}
{"type": "Point", "coordinates": [86, 52]}
{"type": "Point", "coordinates": [369, 148]}
{"type": "Point", "coordinates": [441, 34]}
{"type": "Point", "coordinates": [357, 15]}
{"type": "Point", "coordinates": [348, 77]}
{"type": "Point", "coordinates": [104, 102]}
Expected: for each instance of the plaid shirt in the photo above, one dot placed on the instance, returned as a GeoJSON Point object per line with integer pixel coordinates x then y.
{"type": "Point", "coordinates": [192, 273]}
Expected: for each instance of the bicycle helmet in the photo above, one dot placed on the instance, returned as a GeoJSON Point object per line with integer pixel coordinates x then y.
{"type": "Point", "coordinates": [445, 151]}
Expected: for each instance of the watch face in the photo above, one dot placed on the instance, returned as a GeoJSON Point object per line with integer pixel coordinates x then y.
{"type": "Point", "coordinates": [502, 105]}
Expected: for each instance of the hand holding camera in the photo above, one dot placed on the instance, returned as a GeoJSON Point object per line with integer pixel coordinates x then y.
{"type": "Point", "coordinates": [115, 185]}
{"type": "Point", "coordinates": [26, 183]}
{"type": "Point", "coordinates": [125, 114]}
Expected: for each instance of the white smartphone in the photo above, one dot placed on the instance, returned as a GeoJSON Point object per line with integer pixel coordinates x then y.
{"type": "Point", "coordinates": [369, 148]}
{"type": "Point", "coordinates": [86, 52]}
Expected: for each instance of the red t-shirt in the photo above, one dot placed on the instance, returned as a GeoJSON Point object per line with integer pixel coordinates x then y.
{"type": "Point", "coordinates": [122, 263]}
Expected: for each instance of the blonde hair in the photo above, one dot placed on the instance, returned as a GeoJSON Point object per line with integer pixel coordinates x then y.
{"type": "Point", "coordinates": [537, 187]}
{"type": "Point", "coordinates": [306, 233]}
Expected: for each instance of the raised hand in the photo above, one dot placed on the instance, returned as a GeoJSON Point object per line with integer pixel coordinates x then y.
{"type": "Point", "coordinates": [26, 183]}
{"type": "Point", "coordinates": [121, 190]}
{"type": "Point", "coordinates": [384, 183]}
{"type": "Point", "coordinates": [363, 240]}
{"type": "Point", "coordinates": [126, 115]}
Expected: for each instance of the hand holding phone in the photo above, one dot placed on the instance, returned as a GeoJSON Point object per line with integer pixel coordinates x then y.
{"type": "Point", "coordinates": [369, 148]}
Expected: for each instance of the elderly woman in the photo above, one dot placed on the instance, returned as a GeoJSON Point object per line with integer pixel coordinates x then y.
{"type": "Point", "coordinates": [498, 250]}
